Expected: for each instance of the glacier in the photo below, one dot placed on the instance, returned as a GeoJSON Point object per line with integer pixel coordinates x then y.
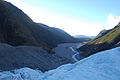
{"type": "Point", "coordinates": [104, 65]}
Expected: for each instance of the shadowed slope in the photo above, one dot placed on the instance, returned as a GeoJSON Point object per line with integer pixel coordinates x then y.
{"type": "Point", "coordinates": [16, 28]}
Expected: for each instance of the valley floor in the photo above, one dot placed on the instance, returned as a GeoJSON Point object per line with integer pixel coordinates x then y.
{"type": "Point", "coordinates": [68, 50]}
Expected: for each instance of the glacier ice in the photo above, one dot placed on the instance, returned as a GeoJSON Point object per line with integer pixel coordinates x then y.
{"type": "Point", "coordinates": [100, 66]}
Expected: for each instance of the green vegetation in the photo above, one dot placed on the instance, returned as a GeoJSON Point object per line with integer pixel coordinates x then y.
{"type": "Point", "coordinates": [110, 39]}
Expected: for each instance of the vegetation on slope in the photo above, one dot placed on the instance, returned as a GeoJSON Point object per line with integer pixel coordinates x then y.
{"type": "Point", "coordinates": [109, 40]}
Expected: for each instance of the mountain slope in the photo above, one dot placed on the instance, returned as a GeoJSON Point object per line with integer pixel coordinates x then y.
{"type": "Point", "coordinates": [23, 43]}
{"type": "Point", "coordinates": [108, 40]}
{"type": "Point", "coordinates": [16, 28]}
{"type": "Point", "coordinates": [100, 66]}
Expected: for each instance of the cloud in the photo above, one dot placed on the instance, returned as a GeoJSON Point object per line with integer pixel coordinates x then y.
{"type": "Point", "coordinates": [113, 20]}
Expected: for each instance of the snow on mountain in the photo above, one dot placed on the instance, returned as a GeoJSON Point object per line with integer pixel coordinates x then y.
{"type": "Point", "coordinates": [100, 66]}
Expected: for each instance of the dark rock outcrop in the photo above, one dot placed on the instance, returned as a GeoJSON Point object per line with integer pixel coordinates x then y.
{"type": "Point", "coordinates": [107, 40]}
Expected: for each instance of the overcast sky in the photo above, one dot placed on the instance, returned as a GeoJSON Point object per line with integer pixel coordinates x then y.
{"type": "Point", "coordinates": [77, 17]}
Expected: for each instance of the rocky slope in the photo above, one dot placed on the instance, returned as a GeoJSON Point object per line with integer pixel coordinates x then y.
{"type": "Point", "coordinates": [107, 40]}
{"type": "Point", "coordinates": [28, 56]}
{"type": "Point", "coordinates": [16, 28]}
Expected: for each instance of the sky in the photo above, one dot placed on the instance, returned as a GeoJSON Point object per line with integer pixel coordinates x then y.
{"type": "Point", "coordinates": [77, 17]}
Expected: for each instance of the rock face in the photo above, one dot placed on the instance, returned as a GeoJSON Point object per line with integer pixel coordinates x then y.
{"type": "Point", "coordinates": [28, 56]}
{"type": "Point", "coordinates": [107, 40]}
{"type": "Point", "coordinates": [16, 28]}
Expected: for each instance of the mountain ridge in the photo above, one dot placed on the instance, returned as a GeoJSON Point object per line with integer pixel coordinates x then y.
{"type": "Point", "coordinates": [110, 39]}
{"type": "Point", "coordinates": [17, 28]}
{"type": "Point", "coordinates": [37, 41]}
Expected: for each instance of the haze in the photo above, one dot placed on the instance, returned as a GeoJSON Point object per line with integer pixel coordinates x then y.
{"type": "Point", "coordinates": [77, 17]}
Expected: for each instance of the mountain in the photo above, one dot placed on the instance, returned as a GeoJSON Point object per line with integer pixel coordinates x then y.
{"type": "Point", "coordinates": [103, 32]}
{"type": "Point", "coordinates": [56, 33]}
{"type": "Point", "coordinates": [107, 40]}
{"type": "Point", "coordinates": [16, 28]}
{"type": "Point", "coordinates": [100, 66]}
{"type": "Point", "coordinates": [83, 38]}
{"type": "Point", "coordinates": [24, 43]}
